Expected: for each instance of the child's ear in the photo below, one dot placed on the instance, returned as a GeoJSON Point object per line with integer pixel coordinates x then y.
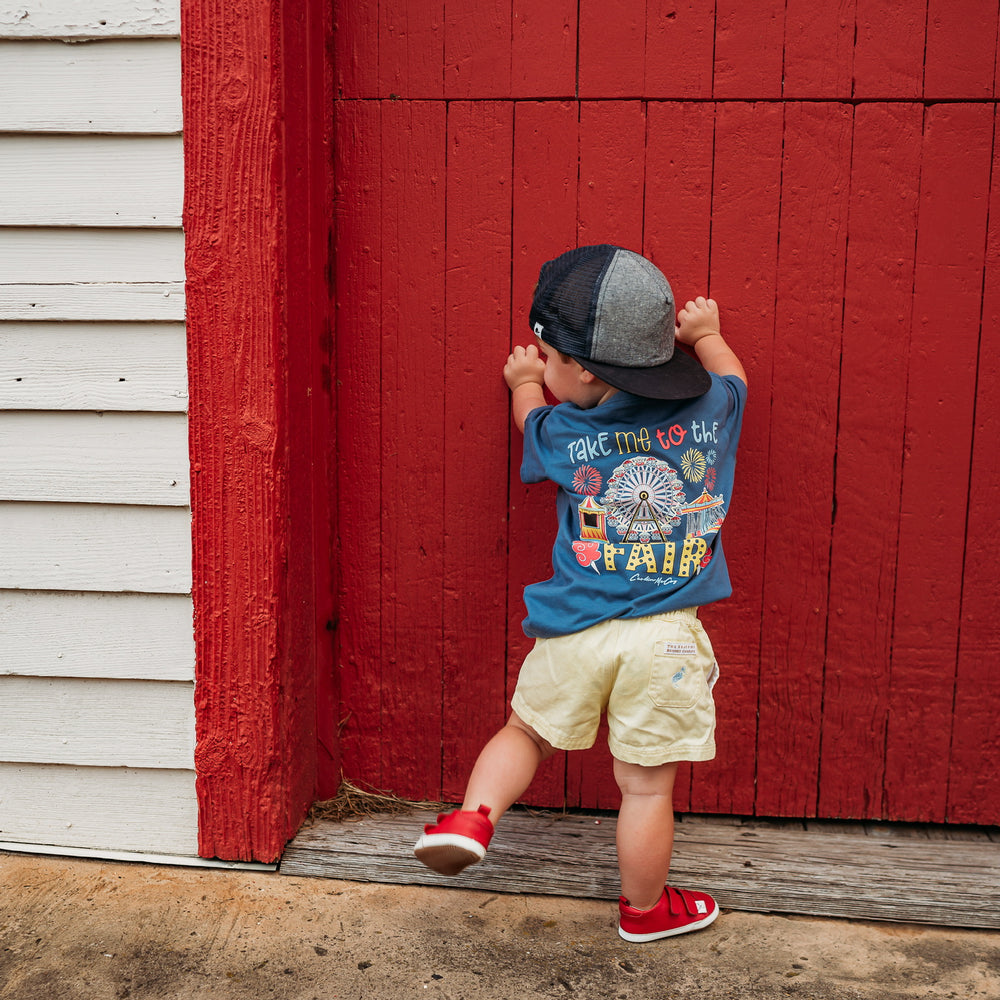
{"type": "Point", "coordinates": [585, 376]}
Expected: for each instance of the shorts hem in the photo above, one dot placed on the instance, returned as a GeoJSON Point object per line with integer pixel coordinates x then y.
{"type": "Point", "coordinates": [654, 756]}
{"type": "Point", "coordinates": [555, 737]}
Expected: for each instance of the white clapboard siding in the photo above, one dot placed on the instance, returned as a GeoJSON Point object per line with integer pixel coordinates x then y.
{"type": "Point", "coordinates": [92, 366]}
{"type": "Point", "coordinates": [127, 636]}
{"type": "Point", "coordinates": [98, 723]}
{"type": "Point", "coordinates": [150, 302]}
{"type": "Point", "coordinates": [56, 546]}
{"type": "Point", "coordinates": [97, 653]}
{"type": "Point", "coordinates": [116, 458]}
{"type": "Point", "coordinates": [123, 809]}
{"type": "Point", "coordinates": [80, 19]}
{"type": "Point", "coordinates": [91, 180]}
{"type": "Point", "coordinates": [90, 256]}
{"type": "Point", "coordinates": [117, 86]}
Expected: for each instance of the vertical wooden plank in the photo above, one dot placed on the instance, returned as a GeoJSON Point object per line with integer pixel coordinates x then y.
{"type": "Point", "coordinates": [680, 49]}
{"type": "Point", "coordinates": [819, 49]}
{"type": "Point", "coordinates": [749, 50]}
{"type": "Point", "coordinates": [885, 177]}
{"type": "Point", "coordinates": [612, 172]}
{"type": "Point", "coordinates": [612, 49]}
{"type": "Point", "coordinates": [474, 500]}
{"type": "Point", "coordinates": [805, 389]}
{"type": "Point", "coordinates": [678, 193]}
{"type": "Point", "coordinates": [356, 49]}
{"type": "Point", "coordinates": [745, 205]}
{"type": "Point", "coordinates": [411, 515]}
{"type": "Point", "coordinates": [677, 224]}
{"type": "Point", "coordinates": [951, 234]}
{"type": "Point", "coordinates": [543, 49]}
{"type": "Point", "coordinates": [612, 158]}
{"type": "Point", "coordinates": [889, 50]}
{"type": "Point", "coordinates": [307, 165]}
{"type": "Point", "coordinates": [358, 277]}
{"type": "Point", "coordinates": [974, 777]}
{"type": "Point", "coordinates": [961, 49]}
{"type": "Point", "coordinates": [544, 226]}
{"type": "Point", "coordinates": [612, 179]}
{"type": "Point", "coordinates": [410, 48]}
{"type": "Point", "coordinates": [477, 49]}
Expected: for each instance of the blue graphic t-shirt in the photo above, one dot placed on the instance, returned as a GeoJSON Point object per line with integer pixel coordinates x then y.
{"type": "Point", "coordinates": [644, 486]}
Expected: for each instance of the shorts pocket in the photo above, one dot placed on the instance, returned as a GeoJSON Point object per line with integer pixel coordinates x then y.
{"type": "Point", "coordinates": [676, 674]}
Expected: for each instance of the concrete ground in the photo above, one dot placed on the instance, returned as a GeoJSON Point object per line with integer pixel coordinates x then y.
{"type": "Point", "coordinates": [97, 930]}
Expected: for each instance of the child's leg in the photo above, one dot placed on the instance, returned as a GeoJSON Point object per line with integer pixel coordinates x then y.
{"type": "Point", "coordinates": [645, 830]}
{"type": "Point", "coordinates": [503, 771]}
{"type": "Point", "coordinates": [505, 767]}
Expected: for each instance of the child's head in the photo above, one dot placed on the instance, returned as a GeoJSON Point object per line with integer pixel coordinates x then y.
{"type": "Point", "coordinates": [613, 311]}
{"type": "Point", "coordinates": [569, 381]}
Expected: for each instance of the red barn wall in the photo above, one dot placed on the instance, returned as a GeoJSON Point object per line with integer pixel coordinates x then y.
{"type": "Point", "coordinates": [827, 173]}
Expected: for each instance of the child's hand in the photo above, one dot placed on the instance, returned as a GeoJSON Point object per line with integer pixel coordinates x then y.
{"type": "Point", "coordinates": [524, 365]}
{"type": "Point", "coordinates": [696, 320]}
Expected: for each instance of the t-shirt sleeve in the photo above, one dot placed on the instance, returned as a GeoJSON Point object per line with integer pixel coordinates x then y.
{"type": "Point", "coordinates": [536, 445]}
{"type": "Point", "coordinates": [737, 390]}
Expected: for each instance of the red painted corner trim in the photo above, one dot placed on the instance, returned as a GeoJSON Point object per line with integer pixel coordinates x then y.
{"type": "Point", "coordinates": [258, 320]}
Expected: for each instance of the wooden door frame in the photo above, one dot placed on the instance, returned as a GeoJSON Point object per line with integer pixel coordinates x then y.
{"type": "Point", "coordinates": [258, 228]}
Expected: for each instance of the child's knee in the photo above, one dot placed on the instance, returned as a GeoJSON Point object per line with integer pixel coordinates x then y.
{"type": "Point", "coordinates": [638, 779]}
{"type": "Point", "coordinates": [545, 748]}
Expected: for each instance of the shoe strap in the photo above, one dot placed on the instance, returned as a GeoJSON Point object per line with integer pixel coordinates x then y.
{"type": "Point", "coordinates": [683, 897]}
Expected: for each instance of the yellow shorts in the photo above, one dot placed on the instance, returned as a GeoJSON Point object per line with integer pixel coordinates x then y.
{"type": "Point", "coordinates": [652, 676]}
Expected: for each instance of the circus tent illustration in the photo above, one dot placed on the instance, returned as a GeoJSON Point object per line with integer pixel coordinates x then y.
{"type": "Point", "coordinates": [592, 520]}
{"type": "Point", "coordinates": [706, 514]}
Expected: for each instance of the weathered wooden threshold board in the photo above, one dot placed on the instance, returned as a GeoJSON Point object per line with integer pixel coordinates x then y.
{"type": "Point", "coordinates": [880, 872]}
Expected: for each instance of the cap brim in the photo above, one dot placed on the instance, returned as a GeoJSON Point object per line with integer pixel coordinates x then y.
{"type": "Point", "coordinates": [682, 377]}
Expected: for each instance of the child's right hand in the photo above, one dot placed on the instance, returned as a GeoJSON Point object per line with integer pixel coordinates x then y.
{"type": "Point", "coordinates": [696, 320]}
{"type": "Point", "coordinates": [524, 365]}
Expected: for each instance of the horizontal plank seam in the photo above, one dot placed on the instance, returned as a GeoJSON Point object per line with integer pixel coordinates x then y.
{"type": "Point", "coordinates": [680, 99]}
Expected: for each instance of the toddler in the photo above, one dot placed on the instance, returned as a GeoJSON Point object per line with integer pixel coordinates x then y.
{"type": "Point", "coordinates": [642, 447]}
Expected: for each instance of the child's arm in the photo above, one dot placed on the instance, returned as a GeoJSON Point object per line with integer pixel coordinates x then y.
{"type": "Point", "coordinates": [525, 377]}
{"type": "Point", "coordinates": [698, 327]}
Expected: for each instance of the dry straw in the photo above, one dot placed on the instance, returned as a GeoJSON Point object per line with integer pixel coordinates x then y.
{"type": "Point", "coordinates": [352, 802]}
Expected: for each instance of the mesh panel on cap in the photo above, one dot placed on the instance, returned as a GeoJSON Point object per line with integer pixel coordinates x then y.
{"type": "Point", "coordinates": [565, 300]}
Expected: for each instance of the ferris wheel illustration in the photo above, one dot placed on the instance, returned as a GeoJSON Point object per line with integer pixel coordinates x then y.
{"type": "Point", "coordinates": [644, 499]}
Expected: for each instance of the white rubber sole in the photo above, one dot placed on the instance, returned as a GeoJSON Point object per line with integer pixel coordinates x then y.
{"type": "Point", "coordinates": [673, 932]}
{"type": "Point", "coordinates": [448, 853]}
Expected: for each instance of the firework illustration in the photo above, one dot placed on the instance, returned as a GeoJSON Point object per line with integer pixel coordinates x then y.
{"type": "Point", "coordinates": [710, 477]}
{"type": "Point", "coordinates": [587, 481]}
{"type": "Point", "coordinates": [711, 457]}
{"type": "Point", "coordinates": [693, 465]}
{"type": "Point", "coordinates": [644, 499]}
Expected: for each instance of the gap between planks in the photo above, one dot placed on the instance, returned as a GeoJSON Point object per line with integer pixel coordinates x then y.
{"type": "Point", "coordinates": [870, 872]}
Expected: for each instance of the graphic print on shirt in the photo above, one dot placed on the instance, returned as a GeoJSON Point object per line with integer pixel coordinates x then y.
{"type": "Point", "coordinates": [644, 505]}
{"type": "Point", "coordinates": [644, 500]}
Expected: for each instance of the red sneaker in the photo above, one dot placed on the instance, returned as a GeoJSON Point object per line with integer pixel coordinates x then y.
{"type": "Point", "coordinates": [457, 840]}
{"type": "Point", "coordinates": [677, 912]}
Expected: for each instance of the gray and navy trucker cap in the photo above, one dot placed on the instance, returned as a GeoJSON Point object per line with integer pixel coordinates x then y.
{"type": "Point", "coordinates": [613, 311]}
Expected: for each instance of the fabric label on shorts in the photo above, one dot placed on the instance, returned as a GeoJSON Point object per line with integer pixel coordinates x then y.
{"type": "Point", "coordinates": [667, 648]}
